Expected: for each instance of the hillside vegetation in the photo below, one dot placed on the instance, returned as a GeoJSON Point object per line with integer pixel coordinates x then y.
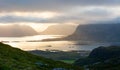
{"type": "Point", "coordinates": [68, 57]}
{"type": "Point", "coordinates": [16, 59]}
{"type": "Point", "coordinates": [102, 58]}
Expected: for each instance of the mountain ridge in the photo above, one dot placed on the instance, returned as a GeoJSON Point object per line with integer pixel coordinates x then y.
{"type": "Point", "coordinates": [97, 33]}
{"type": "Point", "coordinates": [59, 30]}
{"type": "Point", "coordinates": [16, 31]}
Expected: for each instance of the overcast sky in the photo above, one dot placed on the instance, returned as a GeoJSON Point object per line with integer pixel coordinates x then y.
{"type": "Point", "coordinates": [58, 11]}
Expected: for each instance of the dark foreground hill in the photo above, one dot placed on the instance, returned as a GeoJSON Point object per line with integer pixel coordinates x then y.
{"type": "Point", "coordinates": [16, 59]}
{"type": "Point", "coordinates": [102, 58]}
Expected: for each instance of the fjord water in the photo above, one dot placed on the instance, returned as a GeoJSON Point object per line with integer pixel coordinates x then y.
{"type": "Point", "coordinates": [35, 43]}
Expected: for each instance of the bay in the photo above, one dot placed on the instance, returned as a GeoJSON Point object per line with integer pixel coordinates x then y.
{"type": "Point", "coordinates": [35, 43]}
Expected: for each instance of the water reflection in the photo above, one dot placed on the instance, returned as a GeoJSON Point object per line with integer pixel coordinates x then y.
{"type": "Point", "coordinates": [57, 45]}
{"type": "Point", "coordinates": [35, 43]}
{"type": "Point", "coordinates": [29, 38]}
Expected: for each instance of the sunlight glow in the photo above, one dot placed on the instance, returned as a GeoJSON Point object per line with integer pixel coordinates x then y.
{"type": "Point", "coordinates": [39, 27]}
{"type": "Point", "coordinates": [30, 14]}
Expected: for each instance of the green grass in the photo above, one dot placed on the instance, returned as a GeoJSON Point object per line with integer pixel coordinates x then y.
{"type": "Point", "coordinates": [58, 55]}
{"type": "Point", "coordinates": [68, 61]}
{"type": "Point", "coordinates": [16, 59]}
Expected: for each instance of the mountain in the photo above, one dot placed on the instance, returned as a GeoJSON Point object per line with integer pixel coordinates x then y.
{"type": "Point", "coordinates": [16, 31]}
{"type": "Point", "coordinates": [97, 32]}
{"type": "Point", "coordinates": [16, 59]}
{"type": "Point", "coordinates": [102, 58]}
{"type": "Point", "coordinates": [105, 52]}
{"type": "Point", "coordinates": [59, 29]}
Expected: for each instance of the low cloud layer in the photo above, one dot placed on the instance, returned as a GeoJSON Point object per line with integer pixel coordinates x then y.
{"type": "Point", "coordinates": [15, 19]}
{"type": "Point", "coordinates": [75, 17]}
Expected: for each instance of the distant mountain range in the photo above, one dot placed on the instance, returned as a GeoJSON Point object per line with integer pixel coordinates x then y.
{"type": "Point", "coordinates": [97, 33]}
{"type": "Point", "coordinates": [16, 31]}
{"type": "Point", "coordinates": [59, 30]}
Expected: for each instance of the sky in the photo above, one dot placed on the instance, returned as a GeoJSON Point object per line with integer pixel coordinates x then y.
{"type": "Point", "coordinates": [39, 14]}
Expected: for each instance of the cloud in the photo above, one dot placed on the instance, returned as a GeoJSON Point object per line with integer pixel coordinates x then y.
{"type": "Point", "coordinates": [51, 5]}
{"type": "Point", "coordinates": [96, 14]}
{"type": "Point", "coordinates": [67, 10]}
{"type": "Point", "coordinates": [16, 19]}
{"type": "Point", "coordinates": [77, 17]}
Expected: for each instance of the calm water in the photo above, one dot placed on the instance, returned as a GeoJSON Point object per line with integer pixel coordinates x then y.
{"type": "Point", "coordinates": [22, 43]}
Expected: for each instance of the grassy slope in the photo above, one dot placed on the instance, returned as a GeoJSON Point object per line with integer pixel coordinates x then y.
{"type": "Point", "coordinates": [16, 59]}
{"type": "Point", "coordinates": [68, 57]}
{"type": "Point", "coordinates": [102, 58]}
{"type": "Point", "coordinates": [111, 64]}
{"type": "Point", "coordinates": [68, 61]}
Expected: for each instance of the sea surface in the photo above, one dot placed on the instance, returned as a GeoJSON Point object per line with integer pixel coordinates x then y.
{"type": "Point", "coordinates": [35, 43]}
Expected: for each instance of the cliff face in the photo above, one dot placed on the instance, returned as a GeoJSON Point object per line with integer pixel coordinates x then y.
{"type": "Point", "coordinates": [97, 32]}
{"type": "Point", "coordinates": [16, 31]}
